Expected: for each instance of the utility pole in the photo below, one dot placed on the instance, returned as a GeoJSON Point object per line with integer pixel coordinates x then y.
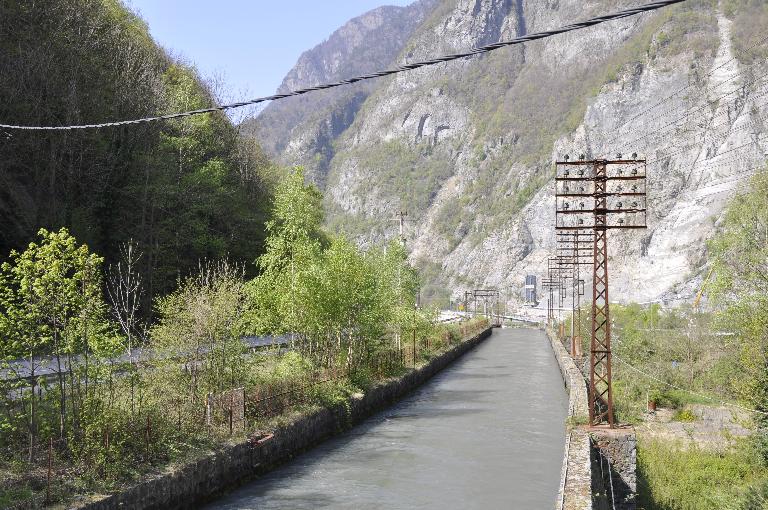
{"type": "Point", "coordinates": [577, 245]}
{"type": "Point", "coordinates": [400, 218]}
{"type": "Point", "coordinates": [600, 195]}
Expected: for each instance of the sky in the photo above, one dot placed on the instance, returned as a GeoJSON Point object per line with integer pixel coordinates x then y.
{"type": "Point", "coordinates": [249, 45]}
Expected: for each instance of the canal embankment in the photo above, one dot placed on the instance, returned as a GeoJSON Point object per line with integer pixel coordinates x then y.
{"type": "Point", "coordinates": [599, 465]}
{"type": "Point", "coordinates": [234, 464]}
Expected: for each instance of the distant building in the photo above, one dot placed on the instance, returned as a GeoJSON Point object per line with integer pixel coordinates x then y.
{"type": "Point", "coordinates": [530, 290]}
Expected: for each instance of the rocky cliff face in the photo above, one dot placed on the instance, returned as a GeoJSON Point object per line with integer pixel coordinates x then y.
{"type": "Point", "coordinates": [302, 130]}
{"type": "Point", "coordinates": [467, 147]}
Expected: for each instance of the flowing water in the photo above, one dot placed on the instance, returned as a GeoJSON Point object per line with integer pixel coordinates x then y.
{"type": "Point", "coordinates": [487, 432]}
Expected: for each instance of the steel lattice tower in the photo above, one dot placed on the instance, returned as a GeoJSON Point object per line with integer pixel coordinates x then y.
{"type": "Point", "coordinates": [594, 199]}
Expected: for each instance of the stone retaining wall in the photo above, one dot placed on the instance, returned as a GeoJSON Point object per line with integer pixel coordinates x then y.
{"type": "Point", "coordinates": [614, 461]}
{"type": "Point", "coordinates": [576, 476]}
{"type": "Point", "coordinates": [189, 485]}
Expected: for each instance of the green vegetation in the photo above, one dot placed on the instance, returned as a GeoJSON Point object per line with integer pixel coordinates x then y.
{"type": "Point", "coordinates": [704, 358]}
{"type": "Point", "coordinates": [350, 318]}
{"type": "Point", "coordinates": [740, 263]}
{"type": "Point", "coordinates": [677, 347]}
{"type": "Point", "coordinates": [671, 477]}
{"type": "Point", "coordinates": [748, 29]}
{"type": "Point", "coordinates": [182, 190]}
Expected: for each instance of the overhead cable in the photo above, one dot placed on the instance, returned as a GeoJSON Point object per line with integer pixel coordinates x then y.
{"type": "Point", "coordinates": [395, 70]}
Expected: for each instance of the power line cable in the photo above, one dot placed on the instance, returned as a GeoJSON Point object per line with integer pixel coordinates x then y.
{"type": "Point", "coordinates": [712, 88]}
{"type": "Point", "coordinates": [682, 149]}
{"type": "Point", "coordinates": [688, 112]}
{"type": "Point", "coordinates": [399, 69]}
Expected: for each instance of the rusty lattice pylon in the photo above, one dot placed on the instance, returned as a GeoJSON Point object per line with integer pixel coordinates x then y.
{"type": "Point", "coordinates": [594, 198]}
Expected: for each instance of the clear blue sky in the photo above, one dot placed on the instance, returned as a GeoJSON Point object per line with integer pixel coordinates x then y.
{"type": "Point", "coordinates": [251, 44]}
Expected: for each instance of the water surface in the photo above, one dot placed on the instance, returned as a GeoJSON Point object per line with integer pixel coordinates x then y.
{"type": "Point", "coordinates": [487, 432]}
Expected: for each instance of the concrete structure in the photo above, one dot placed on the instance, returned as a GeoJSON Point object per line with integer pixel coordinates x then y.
{"type": "Point", "coordinates": [599, 464]}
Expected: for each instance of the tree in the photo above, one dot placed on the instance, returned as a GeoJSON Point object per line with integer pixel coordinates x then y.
{"type": "Point", "coordinates": [196, 342]}
{"type": "Point", "coordinates": [51, 294]}
{"type": "Point", "coordinates": [294, 240]}
{"type": "Point", "coordinates": [740, 258]}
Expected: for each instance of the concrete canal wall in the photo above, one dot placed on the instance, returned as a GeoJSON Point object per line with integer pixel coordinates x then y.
{"type": "Point", "coordinates": [575, 491]}
{"type": "Point", "coordinates": [189, 485]}
{"type": "Point", "coordinates": [598, 464]}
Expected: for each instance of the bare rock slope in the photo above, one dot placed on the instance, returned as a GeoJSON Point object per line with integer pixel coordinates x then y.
{"type": "Point", "coordinates": [467, 147]}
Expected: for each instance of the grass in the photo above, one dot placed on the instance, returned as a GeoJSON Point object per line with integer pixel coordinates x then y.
{"type": "Point", "coordinates": [670, 477]}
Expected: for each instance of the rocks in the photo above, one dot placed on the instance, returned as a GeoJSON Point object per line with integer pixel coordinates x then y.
{"type": "Point", "coordinates": [614, 464]}
{"type": "Point", "coordinates": [459, 144]}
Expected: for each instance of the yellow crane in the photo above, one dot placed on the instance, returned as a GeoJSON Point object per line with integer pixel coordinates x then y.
{"type": "Point", "coordinates": [701, 290]}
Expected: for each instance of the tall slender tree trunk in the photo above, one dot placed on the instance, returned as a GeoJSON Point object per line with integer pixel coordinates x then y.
{"type": "Point", "coordinates": [62, 384]}
{"type": "Point", "coordinates": [32, 431]}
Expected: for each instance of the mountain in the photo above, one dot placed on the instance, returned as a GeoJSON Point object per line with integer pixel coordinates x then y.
{"type": "Point", "coordinates": [303, 128]}
{"type": "Point", "coordinates": [467, 146]}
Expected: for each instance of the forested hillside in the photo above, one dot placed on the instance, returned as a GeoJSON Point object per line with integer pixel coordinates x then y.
{"type": "Point", "coordinates": [182, 191]}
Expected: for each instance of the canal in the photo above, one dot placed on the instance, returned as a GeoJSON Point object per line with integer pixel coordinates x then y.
{"type": "Point", "coordinates": [487, 432]}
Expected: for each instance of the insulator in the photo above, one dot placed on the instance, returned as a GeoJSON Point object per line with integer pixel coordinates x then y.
{"type": "Point", "coordinates": [581, 172]}
{"type": "Point", "coordinates": [634, 205]}
{"type": "Point", "coordinates": [634, 187]}
{"type": "Point", "coordinates": [634, 155]}
{"type": "Point", "coordinates": [581, 156]}
{"type": "Point", "coordinates": [618, 156]}
{"type": "Point", "coordinates": [566, 157]}
{"type": "Point", "coordinates": [619, 205]}
{"type": "Point", "coordinates": [621, 221]}
{"type": "Point", "coordinates": [565, 206]}
{"type": "Point", "coordinates": [581, 221]}
{"type": "Point", "coordinates": [566, 189]}
{"type": "Point", "coordinates": [634, 171]}
{"type": "Point", "coordinates": [566, 173]}
{"type": "Point", "coordinates": [581, 205]}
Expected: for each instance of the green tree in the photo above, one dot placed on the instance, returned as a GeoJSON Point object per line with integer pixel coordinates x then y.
{"type": "Point", "coordinates": [50, 297]}
{"type": "Point", "coordinates": [196, 340]}
{"type": "Point", "coordinates": [294, 240]}
{"type": "Point", "coordinates": [740, 285]}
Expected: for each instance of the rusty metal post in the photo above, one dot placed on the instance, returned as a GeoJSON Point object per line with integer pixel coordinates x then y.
{"type": "Point", "coordinates": [148, 433]}
{"type": "Point", "coordinates": [575, 205]}
{"type": "Point", "coordinates": [600, 387]}
{"type": "Point", "coordinates": [231, 404]}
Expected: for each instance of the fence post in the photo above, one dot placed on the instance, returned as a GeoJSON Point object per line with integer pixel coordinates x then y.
{"type": "Point", "coordinates": [148, 433]}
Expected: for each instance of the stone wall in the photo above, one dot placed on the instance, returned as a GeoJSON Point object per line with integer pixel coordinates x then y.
{"type": "Point", "coordinates": [614, 461]}
{"type": "Point", "coordinates": [189, 485]}
{"type": "Point", "coordinates": [576, 476]}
